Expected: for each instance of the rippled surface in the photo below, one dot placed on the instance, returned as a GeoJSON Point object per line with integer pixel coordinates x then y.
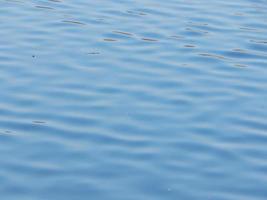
{"type": "Point", "coordinates": [127, 100]}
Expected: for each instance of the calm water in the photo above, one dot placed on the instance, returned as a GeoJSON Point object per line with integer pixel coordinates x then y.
{"type": "Point", "coordinates": [133, 100]}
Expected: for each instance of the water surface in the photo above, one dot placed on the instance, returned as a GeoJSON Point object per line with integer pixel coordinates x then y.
{"type": "Point", "coordinates": [133, 100]}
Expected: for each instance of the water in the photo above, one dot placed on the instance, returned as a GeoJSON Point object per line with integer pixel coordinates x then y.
{"type": "Point", "coordinates": [127, 100]}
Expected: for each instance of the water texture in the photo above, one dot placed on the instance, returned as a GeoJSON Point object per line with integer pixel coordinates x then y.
{"type": "Point", "coordinates": [133, 100]}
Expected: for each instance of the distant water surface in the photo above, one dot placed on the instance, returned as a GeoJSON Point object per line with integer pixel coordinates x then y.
{"type": "Point", "coordinates": [133, 100]}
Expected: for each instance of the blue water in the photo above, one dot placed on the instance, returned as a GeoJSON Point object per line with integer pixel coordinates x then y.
{"type": "Point", "coordinates": [133, 100]}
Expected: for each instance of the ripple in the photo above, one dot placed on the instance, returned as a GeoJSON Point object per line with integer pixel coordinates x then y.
{"type": "Point", "coordinates": [44, 7]}
{"type": "Point", "coordinates": [73, 22]}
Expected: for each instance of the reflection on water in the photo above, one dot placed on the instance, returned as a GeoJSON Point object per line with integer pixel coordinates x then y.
{"type": "Point", "coordinates": [133, 99]}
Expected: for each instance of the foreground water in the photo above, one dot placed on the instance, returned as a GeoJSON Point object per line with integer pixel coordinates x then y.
{"type": "Point", "coordinates": [133, 100]}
